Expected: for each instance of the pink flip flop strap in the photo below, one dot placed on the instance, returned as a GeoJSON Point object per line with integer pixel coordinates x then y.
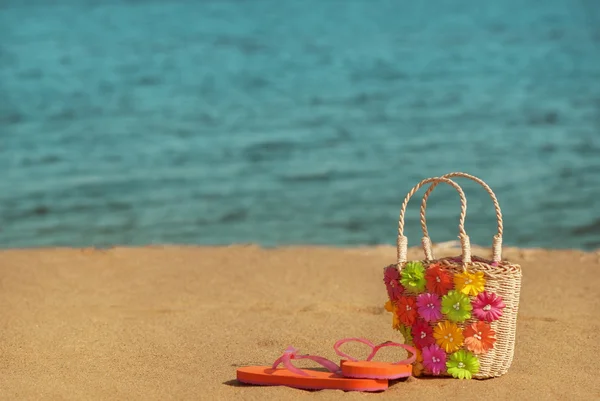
{"type": "Point", "coordinates": [375, 349]}
{"type": "Point", "coordinates": [410, 349]}
{"type": "Point", "coordinates": [292, 353]}
{"type": "Point", "coordinates": [341, 342]}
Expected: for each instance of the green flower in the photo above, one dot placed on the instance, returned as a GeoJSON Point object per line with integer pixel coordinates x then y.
{"type": "Point", "coordinates": [456, 306]}
{"type": "Point", "coordinates": [413, 277]}
{"type": "Point", "coordinates": [406, 333]}
{"type": "Point", "coordinates": [462, 365]}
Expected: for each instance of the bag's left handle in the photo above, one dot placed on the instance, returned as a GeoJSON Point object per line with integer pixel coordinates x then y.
{"type": "Point", "coordinates": [402, 242]}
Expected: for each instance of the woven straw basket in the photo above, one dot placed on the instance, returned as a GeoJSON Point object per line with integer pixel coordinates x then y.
{"type": "Point", "coordinates": [459, 312]}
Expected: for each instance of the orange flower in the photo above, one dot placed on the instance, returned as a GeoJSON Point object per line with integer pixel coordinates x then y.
{"type": "Point", "coordinates": [406, 308]}
{"type": "Point", "coordinates": [438, 280]}
{"type": "Point", "coordinates": [418, 368]}
{"type": "Point", "coordinates": [448, 336]}
{"type": "Point", "coordinates": [479, 337]}
{"type": "Point", "coordinates": [391, 307]}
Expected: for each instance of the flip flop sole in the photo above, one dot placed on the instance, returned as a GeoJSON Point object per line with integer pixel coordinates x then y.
{"type": "Point", "coordinates": [375, 370]}
{"type": "Point", "coordinates": [266, 376]}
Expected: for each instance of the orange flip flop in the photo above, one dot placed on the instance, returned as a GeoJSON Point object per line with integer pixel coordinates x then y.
{"type": "Point", "coordinates": [292, 376]}
{"type": "Point", "coordinates": [369, 369]}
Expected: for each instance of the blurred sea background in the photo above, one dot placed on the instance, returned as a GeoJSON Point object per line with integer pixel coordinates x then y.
{"type": "Point", "coordinates": [296, 122]}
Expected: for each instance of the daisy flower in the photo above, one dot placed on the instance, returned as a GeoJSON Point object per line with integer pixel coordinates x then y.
{"type": "Point", "coordinates": [417, 369]}
{"type": "Point", "coordinates": [391, 278]}
{"type": "Point", "coordinates": [439, 281]}
{"type": "Point", "coordinates": [469, 283]}
{"type": "Point", "coordinates": [479, 337]}
{"type": "Point", "coordinates": [407, 310]}
{"type": "Point", "coordinates": [422, 334]}
{"type": "Point", "coordinates": [456, 306]}
{"type": "Point", "coordinates": [448, 336]}
{"type": "Point", "coordinates": [488, 306]}
{"type": "Point", "coordinates": [391, 307]}
{"type": "Point", "coordinates": [428, 306]}
{"type": "Point", "coordinates": [434, 359]}
{"type": "Point", "coordinates": [413, 277]}
{"type": "Point", "coordinates": [462, 365]}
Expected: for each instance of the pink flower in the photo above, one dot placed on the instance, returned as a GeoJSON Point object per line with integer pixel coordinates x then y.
{"type": "Point", "coordinates": [434, 359]}
{"type": "Point", "coordinates": [422, 334]}
{"type": "Point", "coordinates": [488, 306]}
{"type": "Point", "coordinates": [429, 307]}
{"type": "Point", "coordinates": [391, 278]}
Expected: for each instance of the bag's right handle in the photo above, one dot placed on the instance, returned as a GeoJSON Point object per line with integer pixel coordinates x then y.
{"type": "Point", "coordinates": [497, 241]}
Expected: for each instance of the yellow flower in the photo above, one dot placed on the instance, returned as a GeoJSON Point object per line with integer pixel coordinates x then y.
{"type": "Point", "coordinates": [448, 336]}
{"type": "Point", "coordinates": [469, 283]}
{"type": "Point", "coordinates": [391, 307]}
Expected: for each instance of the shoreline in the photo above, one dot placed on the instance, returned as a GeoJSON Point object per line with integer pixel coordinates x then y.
{"type": "Point", "coordinates": [443, 246]}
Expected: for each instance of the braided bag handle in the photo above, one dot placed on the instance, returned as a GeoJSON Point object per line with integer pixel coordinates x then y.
{"type": "Point", "coordinates": [497, 241]}
{"type": "Point", "coordinates": [402, 242]}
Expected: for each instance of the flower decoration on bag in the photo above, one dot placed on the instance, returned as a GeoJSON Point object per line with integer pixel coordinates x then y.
{"type": "Point", "coordinates": [488, 307]}
{"type": "Point", "coordinates": [469, 283]}
{"type": "Point", "coordinates": [413, 277]}
{"type": "Point", "coordinates": [434, 359]}
{"type": "Point", "coordinates": [418, 366]}
{"type": "Point", "coordinates": [479, 337]}
{"type": "Point", "coordinates": [428, 306]}
{"type": "Point", "coordinates": [391, 307]}
{"type": "Point", "coordinates": [462, 365]}
{"type": "Point", "coordinates": [407, 310]}
{"type": "Point", "coordinates": [391, 278]}
{"type": "Point", "coordinates": [446, 315]}
{"type": "Point", "coordinates": [439, 281]}
{"type": "Point", "coordinates": [448, 336]}
{"type": "Point", "coordinates": [456, 306]}
{"type": "Point", "coordinates": [422, 334]}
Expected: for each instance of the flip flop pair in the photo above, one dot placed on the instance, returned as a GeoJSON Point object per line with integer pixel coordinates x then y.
{"type": "Point", "coordinates": [351, 375]}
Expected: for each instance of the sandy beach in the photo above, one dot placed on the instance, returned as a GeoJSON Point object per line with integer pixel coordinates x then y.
{"type": "Point", "coordinates": [161, 323]}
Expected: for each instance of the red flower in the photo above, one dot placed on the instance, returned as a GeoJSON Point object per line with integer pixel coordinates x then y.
{"type": "Point", "coordinates": [391, 278]}
{"type": "Point", "coordinates": [422, 334]}
{"type": "Point", "coordinates": [407, 310]}
{"type": "Point", "coordinates": [439, 280]}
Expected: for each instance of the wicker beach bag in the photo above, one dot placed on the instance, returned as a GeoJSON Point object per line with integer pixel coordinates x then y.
{"type": "Point", "coordinates": [459, 312]}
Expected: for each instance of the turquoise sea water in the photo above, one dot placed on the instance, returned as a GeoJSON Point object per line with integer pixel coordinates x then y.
{"type": "Point", "coordinates": [280, 122]}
